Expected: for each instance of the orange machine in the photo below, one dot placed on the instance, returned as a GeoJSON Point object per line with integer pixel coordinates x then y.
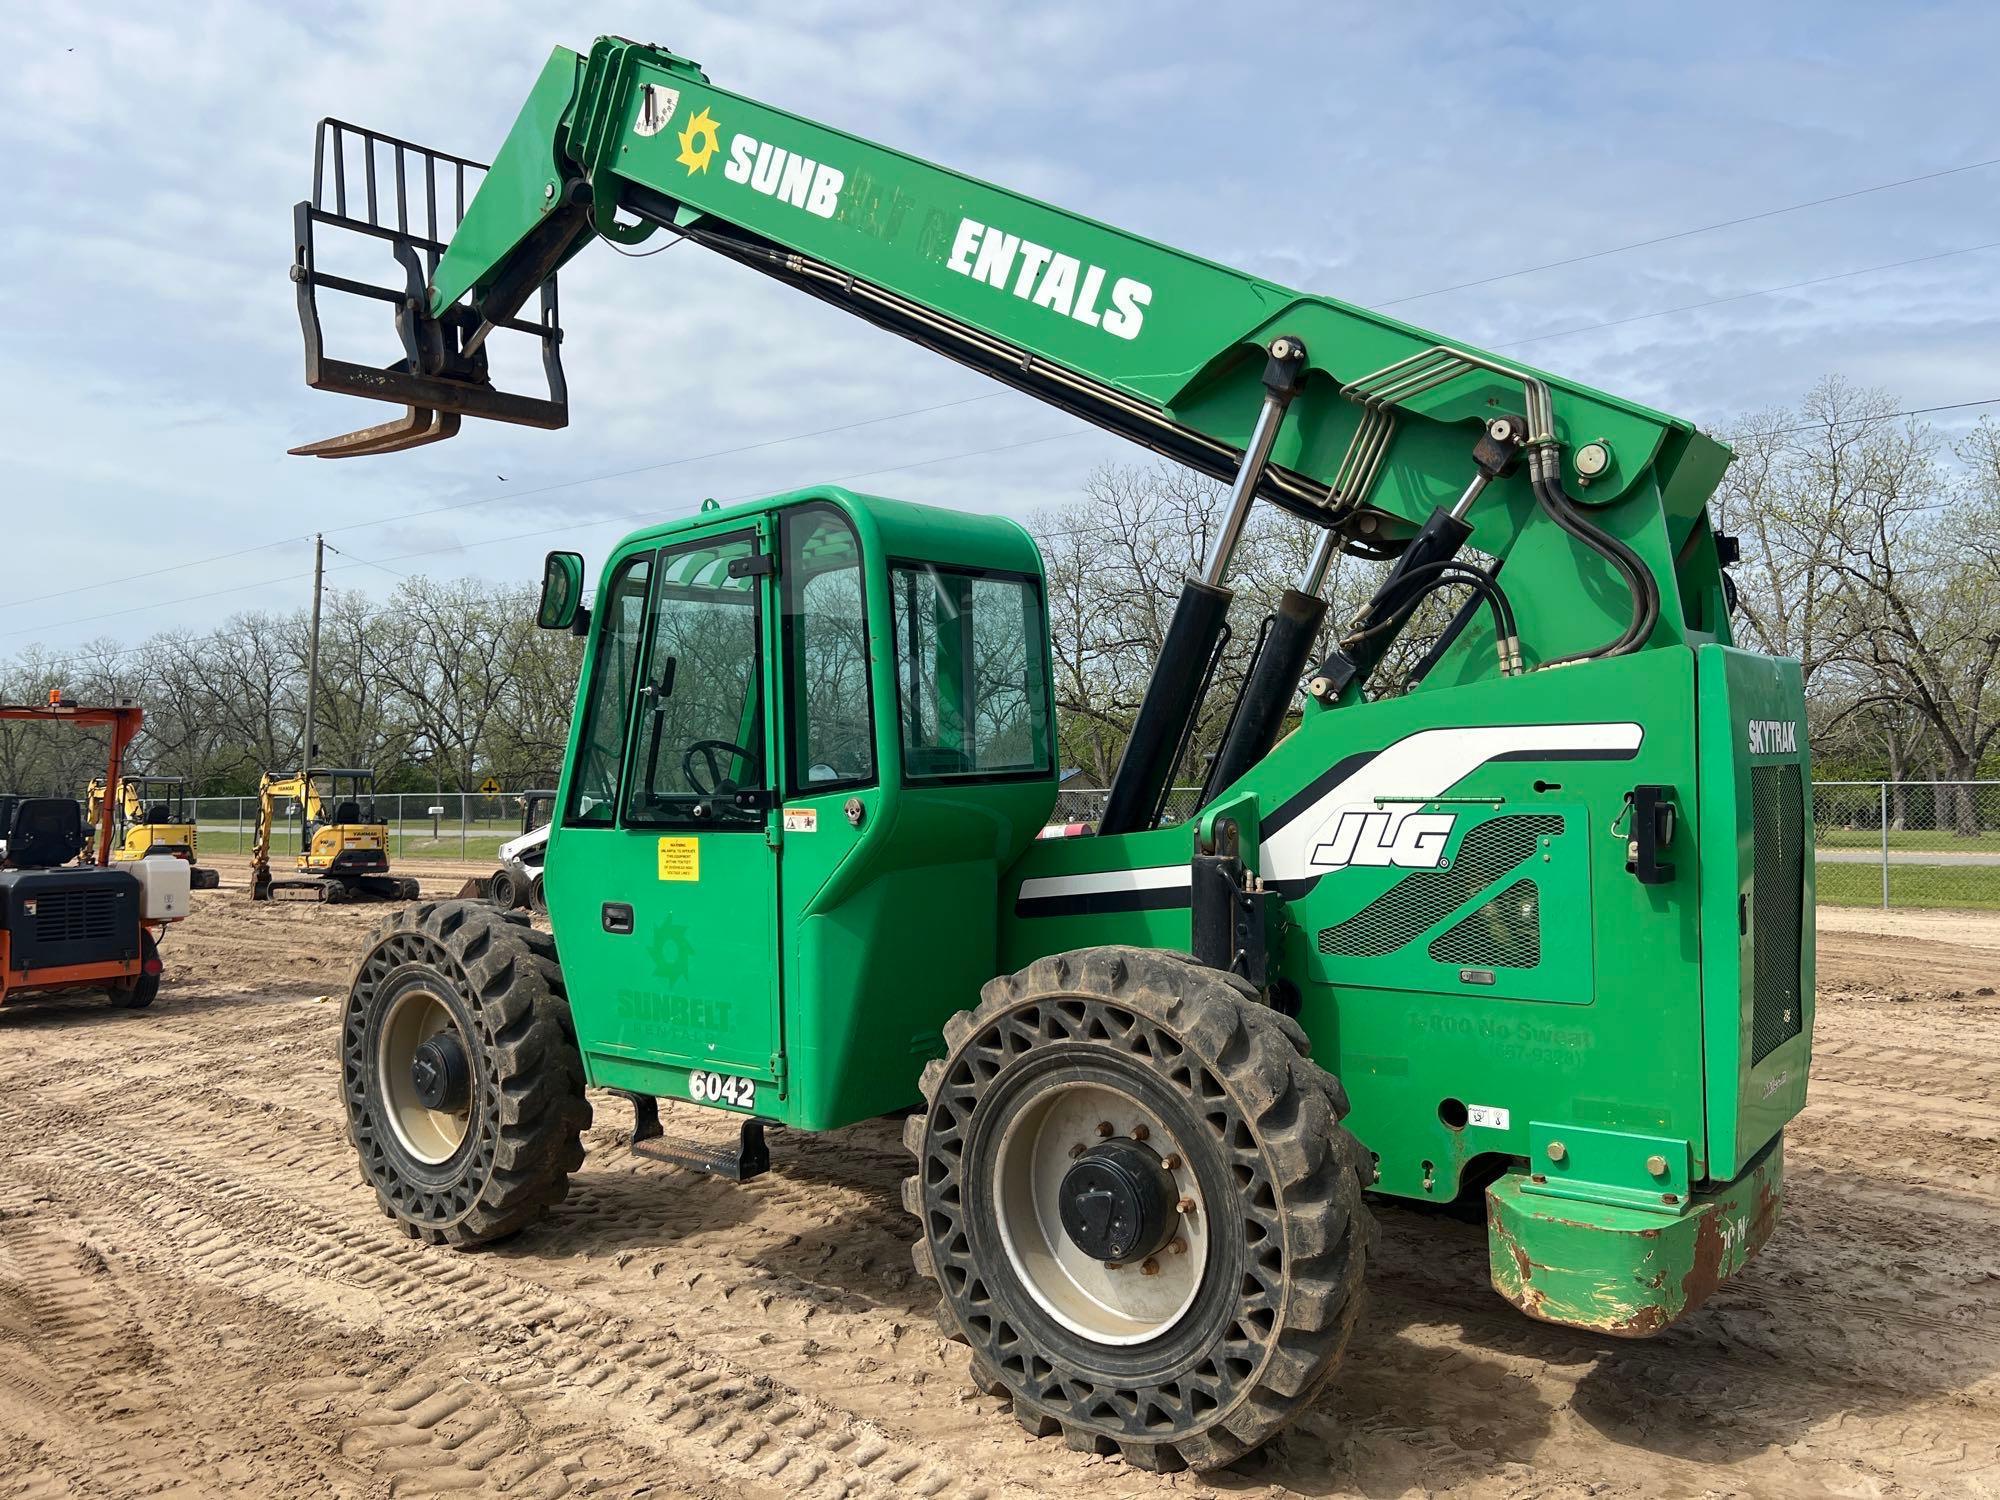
{"type": "Point", "coordinates": [68, 925]}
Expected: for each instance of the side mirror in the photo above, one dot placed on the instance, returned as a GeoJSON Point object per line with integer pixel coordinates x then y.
{"type": "Point", "coordinates": [562, 590]}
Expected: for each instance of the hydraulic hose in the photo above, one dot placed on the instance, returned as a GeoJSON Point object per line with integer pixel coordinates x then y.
{"type": "Point", "coordinates": [1560, 508]}
{"type": "Point", "coordinates": [1432, 577]}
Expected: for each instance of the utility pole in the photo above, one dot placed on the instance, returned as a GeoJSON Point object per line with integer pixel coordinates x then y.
{"type": "Point", "coordinates": [312, 658]}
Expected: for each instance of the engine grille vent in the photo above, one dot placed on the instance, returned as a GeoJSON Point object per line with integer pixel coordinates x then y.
{"type": "Point", "coordinates": [1425, 897]}
{"type": "Point", "coordinates": [1777, 813]}
{"type": "Point", "coordinates": [76, 916]}
{"type": "Point", "coordinates": [1505, 933]}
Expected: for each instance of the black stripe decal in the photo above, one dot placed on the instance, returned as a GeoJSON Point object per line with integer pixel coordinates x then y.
{"type": "Point", "coordinates": [1517, 755]}
{"type": "Point", "coordinates": [1301, 801]}
{"type": "Point", "coordinates": [1103, 903]}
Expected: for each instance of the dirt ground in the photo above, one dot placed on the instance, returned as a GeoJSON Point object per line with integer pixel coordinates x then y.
{"type": "Point", "coordinates": [197, 1297]}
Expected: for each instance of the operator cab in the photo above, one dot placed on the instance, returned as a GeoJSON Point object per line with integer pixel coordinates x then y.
{"type": "Point", "coordinates": [821, 723]}
{"type": "Point", "coordinates": [157, 799]}
{"type": "Point", "coordinates": [346, 797]}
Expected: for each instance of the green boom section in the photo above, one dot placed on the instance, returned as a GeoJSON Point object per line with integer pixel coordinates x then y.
{"type": "Point", "coordinates": [1164, 345]}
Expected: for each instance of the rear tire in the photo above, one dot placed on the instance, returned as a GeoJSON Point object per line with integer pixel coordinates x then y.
{"type": "Point", "coordinates": [483, 1142]}
{"type": "Point", "coordinates": [146, 988]}
{"type": "Point", "coordinates": [1250, 1282]}
{"type": "Point", "coordinates": [200, 879]}
{"type": "Point", "coordinates": [538, 896]}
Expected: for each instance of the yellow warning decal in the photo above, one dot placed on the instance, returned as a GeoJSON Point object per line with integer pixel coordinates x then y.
{"type": "Point", "coordinates": [680, 859]}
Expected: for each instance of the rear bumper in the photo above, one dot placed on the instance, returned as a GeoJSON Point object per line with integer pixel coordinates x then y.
{"type": "Point", "coordinates": [1625, 1271]}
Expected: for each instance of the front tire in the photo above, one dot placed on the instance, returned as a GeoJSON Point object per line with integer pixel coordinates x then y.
{"type": "Point", "coordinates": [504, 890]}
{"type": "Point", "coordinates": [1139, 1205]}
{"type": "Point", "coordinates": [460, 1073]}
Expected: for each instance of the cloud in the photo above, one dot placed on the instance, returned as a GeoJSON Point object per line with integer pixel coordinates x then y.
{"type": "Point", "coordinates": [152, 378]}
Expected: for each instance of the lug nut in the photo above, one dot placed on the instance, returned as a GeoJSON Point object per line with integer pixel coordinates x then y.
{"type": "Point", "coordinates": [1149, 1267]}
{"type": "Point", "coordinates": [1077, 1150]}
{"type": "Point", "coordinates": [1186, 1205]}
{"type": "Point", "coordinates": [1104, 1127]}
{"type": "Point", "coordinates": [1140, 1132]}
{"type": "Point", "coordinates": [1178, 1247]}
{"type": "Point", "coordinates": [1172, 1163]}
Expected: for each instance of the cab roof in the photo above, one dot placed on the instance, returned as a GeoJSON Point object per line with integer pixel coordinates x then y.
{"type": "Point", "coordinates": [891, 528]}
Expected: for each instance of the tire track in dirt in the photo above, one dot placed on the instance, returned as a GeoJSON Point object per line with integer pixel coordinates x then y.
{"type": "Point", "coordinates": [738, 1423]}
{"type": "Point", "coordinates": [672, 1331]}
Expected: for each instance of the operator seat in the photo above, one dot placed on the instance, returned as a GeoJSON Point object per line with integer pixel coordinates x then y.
{"type": "Point", "coordinates": [346, 812]}
{"type": "Point", "coordinates": [158, 813]}
{"type": "Point", "coordinates": [46, 832]}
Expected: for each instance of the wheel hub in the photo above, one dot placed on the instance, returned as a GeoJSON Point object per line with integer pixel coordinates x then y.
{"type": "Point", "coordinates": [440, 1073]}
{"type": "Point", "coordinates": [1117, 1203]}
{"type": "Point", "coordinates": [1099, 1212]}
{"type": "Point", "coordinates": [425, 1075]}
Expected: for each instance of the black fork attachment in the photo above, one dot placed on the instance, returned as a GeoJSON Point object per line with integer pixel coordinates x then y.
{"type": "Point", "coordinates": [403, 196]}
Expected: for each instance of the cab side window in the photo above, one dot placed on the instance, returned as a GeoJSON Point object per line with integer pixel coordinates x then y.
{"type": "Point", "coordinates": [832, 741]}
{"type": "Point", "coordinates": [593, 795]}
{"type": "Point", "coordinates": [971, 689]}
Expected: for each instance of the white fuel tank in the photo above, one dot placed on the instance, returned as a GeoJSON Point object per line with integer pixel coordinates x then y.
{"type": "Point", "coordinates": [163, 887]}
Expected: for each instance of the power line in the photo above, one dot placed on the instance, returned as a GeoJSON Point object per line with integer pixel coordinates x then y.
{"type": "Point", "coordinates": [1887, 416]}
{"type": "Point", "coordinates": [565, 526]}
{"type": "Point", "coordinates": [1682, 234]}
{"type": "Point", "coordinates": [564, 484]}
{"type": "Point", "coordinates": [1790, 286]}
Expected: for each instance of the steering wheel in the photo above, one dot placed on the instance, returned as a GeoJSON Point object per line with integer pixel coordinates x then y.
{"type": "Point", "coordinates": [716, 756]}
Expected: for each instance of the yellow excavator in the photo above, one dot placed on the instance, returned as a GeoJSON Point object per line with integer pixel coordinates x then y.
{"type": "Point", "coordinates": [151, 815]}
{"type": "Point", "coordinates": [343, 843]}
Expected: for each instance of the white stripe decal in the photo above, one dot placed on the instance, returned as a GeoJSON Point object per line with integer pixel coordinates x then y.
{"type": "Point", "coordinates": [1104, 882]}
{"type": "Point", "coordinates": [1427, 764]}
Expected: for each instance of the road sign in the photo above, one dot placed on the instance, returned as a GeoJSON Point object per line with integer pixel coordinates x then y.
{"type": "Point", "coordinates": [489, 788]}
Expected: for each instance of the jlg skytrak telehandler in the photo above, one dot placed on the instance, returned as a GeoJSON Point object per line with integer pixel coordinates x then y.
{"type": "Point", "coordinates": [1538, 927]}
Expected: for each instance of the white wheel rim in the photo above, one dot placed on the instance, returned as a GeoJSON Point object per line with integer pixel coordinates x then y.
{"type": "Point", "coordinates": [430, 1135]}
{"type": "Point", "coordinates": [1137, 1300]}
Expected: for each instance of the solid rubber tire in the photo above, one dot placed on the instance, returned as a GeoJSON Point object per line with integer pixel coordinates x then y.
{"type": "Point", "coordinates": [1298, 1230]}
{"type": "Point", "coordinates": [501, 980]}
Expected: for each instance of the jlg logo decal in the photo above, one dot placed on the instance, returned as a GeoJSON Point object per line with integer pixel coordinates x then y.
{"type": "Point", "coordinates": [1415, 842]}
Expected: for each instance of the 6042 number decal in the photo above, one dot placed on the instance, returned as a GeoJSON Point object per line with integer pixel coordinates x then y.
{"type": "Point", "coordinates": [722, 1088]}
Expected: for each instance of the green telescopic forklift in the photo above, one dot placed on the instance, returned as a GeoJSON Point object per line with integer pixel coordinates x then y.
{"type": "Point", "coordinates": [1531, 925]}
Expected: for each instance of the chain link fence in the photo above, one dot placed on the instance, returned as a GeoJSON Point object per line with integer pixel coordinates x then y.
{"type": "Point", "coordinates": [1086, 804]}
{"type": "Point", "coordinates": [422, 825]}
{"type": "Point", "coordinates": [1908, 843]}
{"type": "Point", "coordinates": [1912, 844]}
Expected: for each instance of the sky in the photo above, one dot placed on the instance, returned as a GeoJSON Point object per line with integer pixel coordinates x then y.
{"type": "Point", "coordinates": [150, 365]}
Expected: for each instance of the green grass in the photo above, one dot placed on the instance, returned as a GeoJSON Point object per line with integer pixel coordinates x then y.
{"type": "Point", "coordinates": [482, 843]}
{"type": "Point", "coordinates": [1911, 887]}
{"type": "Point", "coordinates": [1932, 840]}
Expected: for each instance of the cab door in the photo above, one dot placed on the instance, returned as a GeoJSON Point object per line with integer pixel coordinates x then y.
{"type": "Point", "coordinates": [662, 878]}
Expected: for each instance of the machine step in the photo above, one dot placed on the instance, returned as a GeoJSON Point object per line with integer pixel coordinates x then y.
{"type": "Point", "coordinates": [748, 1157]}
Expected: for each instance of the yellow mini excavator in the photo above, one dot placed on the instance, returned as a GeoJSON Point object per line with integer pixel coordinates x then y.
{"type": "Point", "coordinates": [343, 843]}
{"type": "Point", "coordinates": [151, 816]}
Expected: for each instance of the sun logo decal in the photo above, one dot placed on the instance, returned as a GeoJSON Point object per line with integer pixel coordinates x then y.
{"type": "Point", "coordinates": [699, 143]}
